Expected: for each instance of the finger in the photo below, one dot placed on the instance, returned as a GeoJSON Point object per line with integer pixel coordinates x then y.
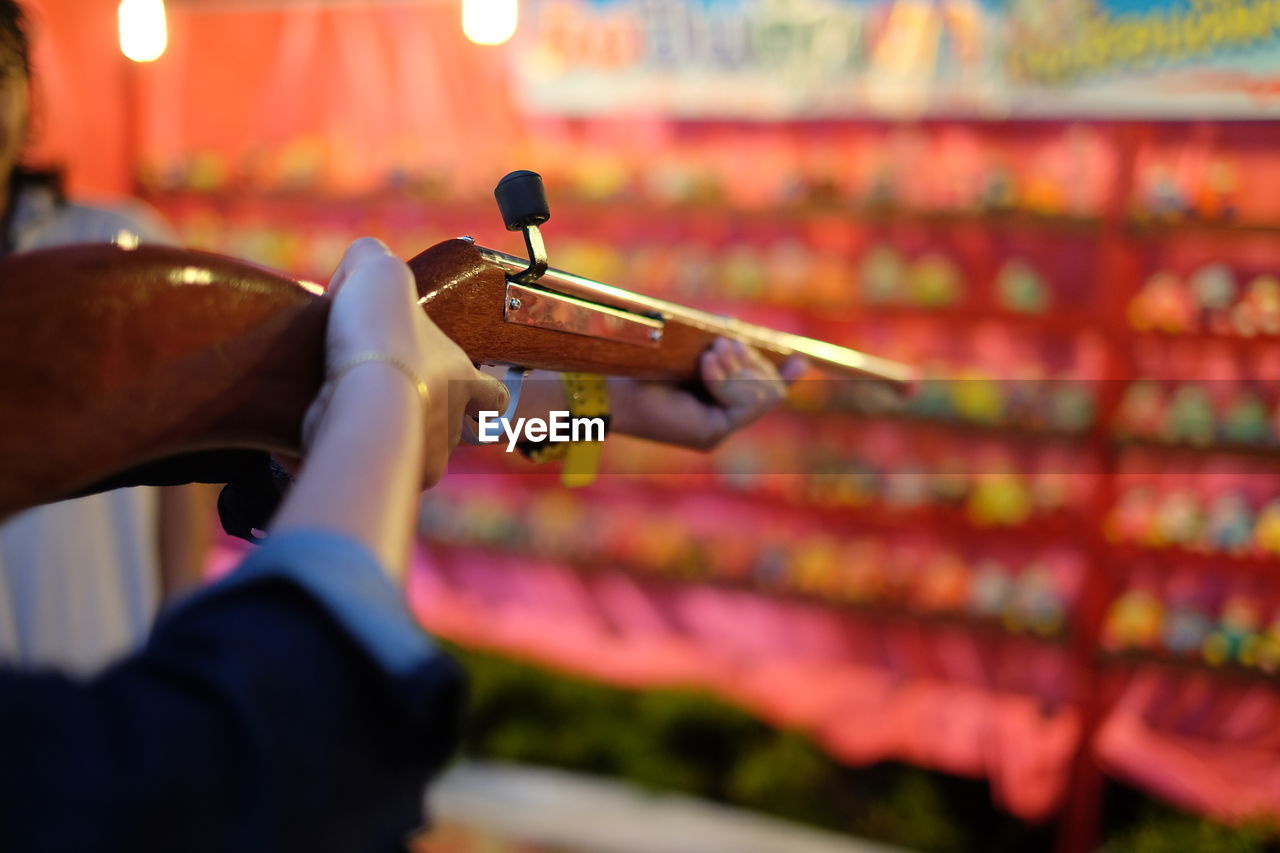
{"type": "Point", "coordinates": [793, 368]}
{"type": "Point", "coordinates": [735, 357]}
{"type": "Point", "coordinates": [714, 364]}
{"type": "Point", "coordinates": [712, 369]}
{"type": "Point", "coordinates": [728, 356]}
{"type": "Point", "coordinates": [486, 394]}
{"type": "Point", "coordinates": [483, 394]}
{"type": "Point", "coordinates": [757, 366]}
{"type": "Point", "coordinates": [768, 384]}
{"type": "Point", "coordinates": [360, 250]}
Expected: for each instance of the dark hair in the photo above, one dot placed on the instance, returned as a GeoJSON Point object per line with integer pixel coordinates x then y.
{"type": "Point", "coordinates": [14, 37]}
{"type": "Point", "coordinates": [13, 33]}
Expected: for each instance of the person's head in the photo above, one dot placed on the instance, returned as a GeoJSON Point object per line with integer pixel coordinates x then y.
{"type": "Point", "coordinates": [15, 75]}
{"type": "Point", "coordinates": [15, 116]}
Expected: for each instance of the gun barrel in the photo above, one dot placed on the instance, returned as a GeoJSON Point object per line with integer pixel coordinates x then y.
{"type": "Point", "coordinates": [830, 357]}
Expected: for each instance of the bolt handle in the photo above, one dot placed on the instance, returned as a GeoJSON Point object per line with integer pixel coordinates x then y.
{"type": "Point", "coordinates": [522, 200]}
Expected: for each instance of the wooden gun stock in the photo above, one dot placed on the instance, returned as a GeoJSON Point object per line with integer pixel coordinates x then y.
{"type": "Point", "coordinates": [114, 357]}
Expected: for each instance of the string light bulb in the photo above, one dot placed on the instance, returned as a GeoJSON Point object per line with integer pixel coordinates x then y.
{"type": "Point", "coordinates": [489, 21]}
{"type": "Point", "coordinates": [144, 30]}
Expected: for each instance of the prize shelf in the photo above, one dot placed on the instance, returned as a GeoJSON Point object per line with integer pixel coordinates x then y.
{"type": "Point", "coordinates": [1130, 661]}
{"type": "Point", "coordinates": [1059, 527]}
{"type": "Point", "coordinates": [1148, 230]}
{"type": "Point", "coordinates": [1267, 452]}
{"type": "Point", "coordinates": [885, 611]}
{"type": "Point", "coordinates": [950, 425]}
{"type": "Point", "coordinates": [1206, 337]}
{"type": "Point", "coordinates": [632, 208]}
{"type": "Point", "coordinates": [1214, 562]}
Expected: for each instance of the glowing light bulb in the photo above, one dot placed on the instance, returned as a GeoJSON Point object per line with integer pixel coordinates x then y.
{"type": "Point", "coordinates": [144, 33]}
{"type": "Point", "coordinates": [489, 21]}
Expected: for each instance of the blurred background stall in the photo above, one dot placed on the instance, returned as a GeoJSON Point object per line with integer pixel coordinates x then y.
{"type": "Point", "coordinates": [1037, 606]}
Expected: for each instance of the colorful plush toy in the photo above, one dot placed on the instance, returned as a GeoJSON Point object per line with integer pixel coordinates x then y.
{"type": "Point", "coordinates": [1142, 410]}
{"type": "Point", "coordinates": [1258, 313]}
{"type": "Point", "coordinates": [1247, 420]}
{"type": "Point", "coordinates": [1134, 620]}
{"type": "Point", "coordinates": [908, 487]}
{"type": "Point", "coordinates": [1237, 629]}
{"type": "Point", "coordinates": [932, 398]}
{"type": "Point", "coordinates": [1072, 406]}
{"type": "Point", "coordinates": [1132, 519]}
{"type": "Point", "coordinates": [990, 589]}
{"type": "Point", "coordinates": [1264, 652]}
{"type": "Point", "coordinates": [1190, 418]}
{"type": "Point", "coordinates": [1215, 289]}
{"type": "Point", "coordinates": [1179, 520]}
{"type": "Point", "coordinates": [934, 281]}
{"type": "Point", "coordinates": [1229, 525]}
{"type": "Point", "coordinates": [1164, 304]}
{"type": "Point", "coordinates": [976, 396]}
{"type": "Point", "coordinates": [943, 585]}
{"type": "Point", "coordinates": [769, 569]}
{"type": "Point", "coordinates": [1020, 288]}
{"type": "Point", "coordinates": [1163, 199]}
{"type": "Point", "coordinates": [1215, 198]}
{"type": "Point", "coordinates": [882, 276]}
{"type": "Point", "coordinates": [1035, 604]}
{"type": "Point", "coordinates": [742, 272]}
{"type": "Point", "coordinates": [1186, 620]}
{"type": "Point", "coordinates": [861, 570]}
{"type": "Point", "coordinates": [813, 567]}
{"type": "Point", "coordinates": [1266, 530]}
{"type": "Point", "coordinates": [999, 500]}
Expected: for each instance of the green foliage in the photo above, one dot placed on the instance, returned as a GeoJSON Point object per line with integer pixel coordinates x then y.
{"type": "Point", "coordinates": [1163, 829]}
{"type": "Point", "coordinates": [786, 774]}
{"type": "Point", "coordinates": [690, 742]}
{"type": "Point", "coordinates": [914, 813]}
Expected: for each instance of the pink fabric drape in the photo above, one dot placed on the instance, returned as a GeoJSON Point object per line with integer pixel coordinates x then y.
{"type": "Point", "coordinates": [1203, 742]}
{"type": "Point", "coordinates": [865, 689]}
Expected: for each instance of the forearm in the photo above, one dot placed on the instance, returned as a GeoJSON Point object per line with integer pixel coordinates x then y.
{"type": "Point", "coordinates": [371, 441]}
{"type": "Point", "coordinates": [543, 392]}
{"type": "Point", "coordinates": [655, 411]}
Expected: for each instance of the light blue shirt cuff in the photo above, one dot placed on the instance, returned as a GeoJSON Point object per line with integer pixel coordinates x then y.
{"type": "Point", "coordinates": [346, 580]}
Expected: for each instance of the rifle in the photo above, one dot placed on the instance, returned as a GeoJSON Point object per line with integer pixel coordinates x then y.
{"type": "Point", "coordinates": [167, 351]}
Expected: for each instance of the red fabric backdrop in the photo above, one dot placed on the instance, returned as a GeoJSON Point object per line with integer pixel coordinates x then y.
{"type": "Point", "coordinates": [353, 92]}
{"type": "Point", "coordinates": [81, 113]}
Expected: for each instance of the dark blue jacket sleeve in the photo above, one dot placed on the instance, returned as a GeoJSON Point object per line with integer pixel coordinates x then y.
{"type": "Point", "coordinates": [256, 719]}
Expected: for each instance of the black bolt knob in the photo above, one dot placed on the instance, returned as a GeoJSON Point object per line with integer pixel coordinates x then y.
{"type": "Point", "coordinates": [522, 200]}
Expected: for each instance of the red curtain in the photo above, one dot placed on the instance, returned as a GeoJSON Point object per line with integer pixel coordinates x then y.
{"type": "Point", "coordinates": [339, 98]}
{"type": "Point", "coordinates": [81, 115]}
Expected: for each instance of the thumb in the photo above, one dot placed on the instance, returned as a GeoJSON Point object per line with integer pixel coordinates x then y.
{"type": "Point", "coordinates": [363, 249]}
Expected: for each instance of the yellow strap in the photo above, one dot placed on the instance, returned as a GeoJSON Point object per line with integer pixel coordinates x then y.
{"type": "Point", "coordinates": [588, 397]}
